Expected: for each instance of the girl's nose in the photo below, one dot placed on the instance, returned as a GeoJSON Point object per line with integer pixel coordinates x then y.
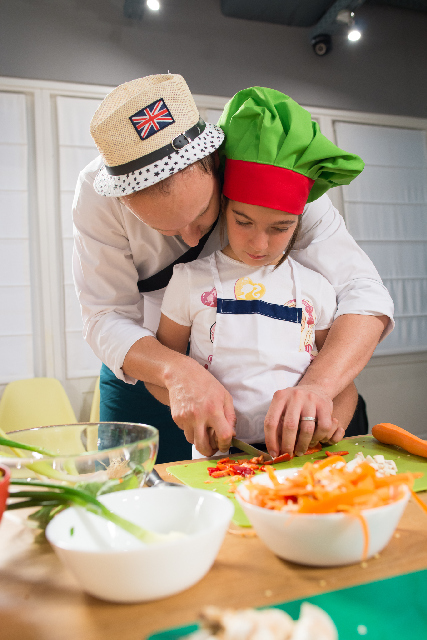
{"type": "Point", "coordinates": [259, 242]}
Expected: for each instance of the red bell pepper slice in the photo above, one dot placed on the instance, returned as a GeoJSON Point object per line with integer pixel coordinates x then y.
{"type": "Point", "coordinates": [315, 449]}
{"type": "Point", "coordinates": [336, 453]}
{"type": "Point", "coordinates": [242, 471]}
{"type": "Point", "coordinates": [285, 457]}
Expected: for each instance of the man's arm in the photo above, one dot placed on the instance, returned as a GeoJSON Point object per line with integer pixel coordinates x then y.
{"type": "Point", "coordinates": [364, 317]}
{"type": "Point", "coordinates": [346, 350]}
{"type": "Point", "coordinates": [199, 403]}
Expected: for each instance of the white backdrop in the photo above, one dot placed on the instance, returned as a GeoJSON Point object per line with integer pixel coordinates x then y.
{"type": "Point", "coordinates": [386, 212]}
{"type": "Point", "coordinates": [16, 332]}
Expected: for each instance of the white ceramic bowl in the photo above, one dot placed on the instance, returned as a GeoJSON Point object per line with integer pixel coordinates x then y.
{"type": "Point", "coordinates": [321, 540]}
{"type": "Point", "coordinates": [113, 565]}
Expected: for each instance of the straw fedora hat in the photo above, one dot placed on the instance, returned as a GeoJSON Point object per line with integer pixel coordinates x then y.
{"type": "Point", "coordinates": [146, 130]}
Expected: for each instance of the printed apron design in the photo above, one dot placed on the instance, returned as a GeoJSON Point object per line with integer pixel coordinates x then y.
{"type": "Point", "coordinates": [256, 352]}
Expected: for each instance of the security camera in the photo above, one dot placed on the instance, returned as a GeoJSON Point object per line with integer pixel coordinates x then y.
{"type": "Point", "coordinates": [322, 44]}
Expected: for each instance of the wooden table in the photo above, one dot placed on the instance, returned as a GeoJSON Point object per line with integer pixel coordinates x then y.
{"type": "Point", "coordinates": [40, 600]}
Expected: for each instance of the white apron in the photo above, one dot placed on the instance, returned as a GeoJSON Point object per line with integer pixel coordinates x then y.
{"type": "Point", "coordinates": [256, 351]}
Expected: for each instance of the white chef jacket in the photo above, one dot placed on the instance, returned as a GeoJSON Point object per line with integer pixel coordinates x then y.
{"type": "Point", "coordinates": [113, 250]}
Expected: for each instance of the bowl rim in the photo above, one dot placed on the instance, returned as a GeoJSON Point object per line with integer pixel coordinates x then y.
{"type": "Point", "coordinates": [154, 545]}
{"type": "Point", "coordinates": [153, 439]}
{"type": "Point", "coordinates": [337, 515]}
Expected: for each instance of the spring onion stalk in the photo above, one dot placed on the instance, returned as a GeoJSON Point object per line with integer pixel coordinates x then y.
{"type": "Point", "coordinates": [19, 445]}
{"type": "Point", "coordinates": [41, 468]}
{"type": "Point", "coordinates": [62, 495]}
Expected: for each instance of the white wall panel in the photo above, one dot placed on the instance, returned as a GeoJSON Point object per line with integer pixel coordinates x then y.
{"type": "Point", "coordinates": [13, 167]}
{"type": "Point", "coordinates": [383, 146]}
{"type": "Point", "coordinates": [386, 212]}
{"type": "Point", "coordinates": [13, 126]}
{"type": "Point", "coordinates": [17, 358]}
{"type": "Point", "coordinates": [76, 150]}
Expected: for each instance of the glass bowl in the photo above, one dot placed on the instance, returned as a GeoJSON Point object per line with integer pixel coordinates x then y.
{"type": "Point", "coordinates": [83, 452]}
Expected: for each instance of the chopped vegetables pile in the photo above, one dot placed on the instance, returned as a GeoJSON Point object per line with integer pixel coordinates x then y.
{"type": "Point", "coordinates": [329, 486]}
{"type": "Point", "coordinates": [246, 468]}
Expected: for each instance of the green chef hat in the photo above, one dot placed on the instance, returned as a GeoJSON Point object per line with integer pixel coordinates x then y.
{"type": "Point", "coordinates": [274, 154]}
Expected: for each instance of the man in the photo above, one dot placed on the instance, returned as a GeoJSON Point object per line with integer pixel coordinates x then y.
{"type": "Point", "coordinates": [152, 199]}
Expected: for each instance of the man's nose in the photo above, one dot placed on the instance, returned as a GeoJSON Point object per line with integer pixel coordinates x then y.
{"type": "Point", "coordinates": [190, 235]}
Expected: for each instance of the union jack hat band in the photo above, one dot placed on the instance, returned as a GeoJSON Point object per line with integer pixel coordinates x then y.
{"type": "Point", "coordinates": [144, 176]}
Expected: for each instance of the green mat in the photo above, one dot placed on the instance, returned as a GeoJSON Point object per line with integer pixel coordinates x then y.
{"type": "Point", "coordinates": [196, 474]}
{"type": "Point", "coordinates": [391, 609]}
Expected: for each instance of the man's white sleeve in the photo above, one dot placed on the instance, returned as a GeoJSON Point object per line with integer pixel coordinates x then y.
{"type": "Point", "coordinates": [325, 245]}
{"type": "Point", "coordinates": [105, 278]}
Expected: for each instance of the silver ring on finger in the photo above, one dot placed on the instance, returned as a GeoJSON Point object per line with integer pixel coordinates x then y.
{"type": "Point", "coordinates": [308, 418]}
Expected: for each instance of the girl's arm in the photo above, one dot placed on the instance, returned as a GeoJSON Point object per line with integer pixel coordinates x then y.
{"type": "Point", "coordinates": [174, 336]}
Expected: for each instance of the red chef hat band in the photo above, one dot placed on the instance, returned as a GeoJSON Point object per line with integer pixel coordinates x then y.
{"type": "Point", "coordinates": [266, 185]}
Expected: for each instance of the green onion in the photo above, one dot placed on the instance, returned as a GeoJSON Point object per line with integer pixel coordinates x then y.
{"type": "Point", "coordinates": [19, 445]}
{"type": "Point", "coordinates": [61, 495]}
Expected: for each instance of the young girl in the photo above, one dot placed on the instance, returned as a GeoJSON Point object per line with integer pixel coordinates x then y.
{"type": "Point", "coordinates": [253, 315]}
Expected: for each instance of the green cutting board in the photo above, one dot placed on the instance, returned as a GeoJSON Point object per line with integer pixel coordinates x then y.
{"type": "Point", "coordinates": [391, 609]}
{"type": "Point", "coordinates": [195, 474]}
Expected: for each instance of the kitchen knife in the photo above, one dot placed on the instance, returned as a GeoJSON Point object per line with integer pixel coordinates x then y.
{"type": "Point", "coordinates": [247, 448]}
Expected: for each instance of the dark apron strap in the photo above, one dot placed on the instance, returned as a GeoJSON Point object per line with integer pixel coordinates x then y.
{"type": "Point", "coordinates": [161, 279]}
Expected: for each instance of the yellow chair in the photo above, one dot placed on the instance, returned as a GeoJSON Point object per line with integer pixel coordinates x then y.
{"type": "Point", "coordinates": [35, 402]}
{"type": "Point", "coordinates": [94, 410]}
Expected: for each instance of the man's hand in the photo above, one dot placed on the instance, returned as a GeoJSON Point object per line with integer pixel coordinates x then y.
{"type": "Point", "coordinates": [284, 430]}
{"type": "Point", "coordinates": [201, 407]}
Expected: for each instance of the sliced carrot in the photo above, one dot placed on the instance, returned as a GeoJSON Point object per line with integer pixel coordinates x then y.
{"type": "Point", "coordinates": [332, 503]}
{"type": "Point", "coordinates": [419, 501]}
{"type": "Point", "coordinates": [322, 487]}
{"type": "Point", "coordinates": [327, 462]}
{"type": "Point", "coordinates": [365, 530]}
{"type": "Point", "coordinates": [392, 434]}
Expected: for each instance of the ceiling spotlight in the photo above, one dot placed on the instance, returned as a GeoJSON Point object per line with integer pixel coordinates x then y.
{"type": "Point", "coordinates": [154, 5]}
{"type": "Point", "coordinates": [354, 35]}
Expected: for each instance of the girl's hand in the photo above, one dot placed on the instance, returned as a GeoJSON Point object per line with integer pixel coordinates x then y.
{"type": "Point", "coordinates": [284, 430]}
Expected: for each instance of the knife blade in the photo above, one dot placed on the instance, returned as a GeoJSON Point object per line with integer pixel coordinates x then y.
{"type": "Point", "coordinates": [248, 448]}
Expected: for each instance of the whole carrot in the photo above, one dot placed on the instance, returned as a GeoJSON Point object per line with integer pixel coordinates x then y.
{"type": "Point", "coordinates": [392, 434]}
